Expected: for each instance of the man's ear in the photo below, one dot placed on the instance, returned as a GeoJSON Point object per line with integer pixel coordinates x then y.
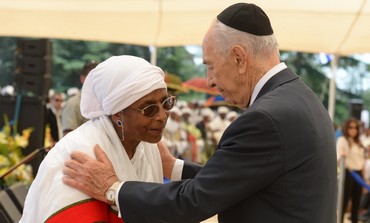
{"type": "Point", "coordinates": [239, 55]}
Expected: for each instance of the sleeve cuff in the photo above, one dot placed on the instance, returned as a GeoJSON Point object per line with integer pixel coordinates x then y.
{"type": "Point", "coordinates": [117, 201]}
{"type": "Point", "coordinates": [175, 176]}
{"type": "Point", "coordinates": [177, 170]}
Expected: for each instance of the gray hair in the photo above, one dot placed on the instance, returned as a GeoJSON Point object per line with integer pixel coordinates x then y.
{"type": "Point", "coordinates": [226, 37]}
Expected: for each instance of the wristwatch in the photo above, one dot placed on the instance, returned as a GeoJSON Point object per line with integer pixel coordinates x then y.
{"type": "Point", "coordinates": [110, 194]}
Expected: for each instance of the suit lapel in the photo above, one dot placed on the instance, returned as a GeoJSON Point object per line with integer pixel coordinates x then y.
{"type": "Point", "coordinates": [278, 79]}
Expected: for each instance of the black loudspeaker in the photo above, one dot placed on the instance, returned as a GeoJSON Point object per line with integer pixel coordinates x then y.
{"type": "Point", "coordinates": [33, 67]}
{"type": "Point", "coordinates": [355, 108]}
{"type": "Point", "coordinates": [31, 114]}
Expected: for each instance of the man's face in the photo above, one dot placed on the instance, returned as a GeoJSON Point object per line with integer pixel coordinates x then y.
{"type": "Point", "coordinates": [224, 73]}
{"type": "Point", "coordinates": [57, 101]}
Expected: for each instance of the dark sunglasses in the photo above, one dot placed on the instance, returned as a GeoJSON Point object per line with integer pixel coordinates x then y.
{"type": "Point", "coordinates": [352, 127]}
{"type": "Point", "coordinates": [151, 110]}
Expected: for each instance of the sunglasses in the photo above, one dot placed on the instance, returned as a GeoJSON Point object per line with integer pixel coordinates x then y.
{"type": "Point", "coordinates": [352, 127]}
{"type": "Point", "coordinates": [151, 110]}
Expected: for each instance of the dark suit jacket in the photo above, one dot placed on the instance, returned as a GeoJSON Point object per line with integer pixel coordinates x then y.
{"type": "Point", "coordinates": [275, 163]}
{"type": "Point", "coordinates": [51, 120]}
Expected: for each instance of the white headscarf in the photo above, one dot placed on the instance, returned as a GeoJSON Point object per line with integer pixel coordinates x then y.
{"type": "Point", "coordinates": [118, 82]}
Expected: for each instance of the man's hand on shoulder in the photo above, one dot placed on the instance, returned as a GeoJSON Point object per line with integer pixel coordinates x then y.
{"type": "Point", "coordinates": [92, 177]}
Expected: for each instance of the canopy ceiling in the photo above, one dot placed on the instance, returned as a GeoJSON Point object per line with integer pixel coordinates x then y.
{"type": "Point", "coordinates": [332, 26]}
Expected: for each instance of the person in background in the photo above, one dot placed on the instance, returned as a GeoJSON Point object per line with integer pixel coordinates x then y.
{"type": "Point", "coordinates": [53, 116]}
{"type": "Point", "coordinates": [219, 123]}
{"type": "Point", "coordinates": [174, 136]}
{"type": "Point", "coordinates": [72, 91]}
{"type": "Point", "coordinates": [71, 114]}
{"type": "Point", "coordinates": [230, 117]}
{"type": "Point", "coordinates": [350, 148]}
{"type": "Point", "coordinates": [365, 139]}
{"type": "Point", "coordinates": [209, 144]}
{"type": "Point", "coordinates": [193, 136]}
{"type": "Point", "coordinates": [7, 90]}
{"type": "Point", "coordinates": [203, 125]}
{"type": "Point", "coordinates": [127, 104]}
{"type": "Point", "coordinates": [275, 163]}
{"type": "Point", "coordinates": [338, 131]}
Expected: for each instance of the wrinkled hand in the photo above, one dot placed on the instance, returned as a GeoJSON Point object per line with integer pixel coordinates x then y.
{"type": "Point", "coordinates": [92, 177]}
{"type": "Point", "coordinates": [168, 161]}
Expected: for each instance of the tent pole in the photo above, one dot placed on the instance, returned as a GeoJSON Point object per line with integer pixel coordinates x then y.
{"type": "Point", "coordinates": [153, 55]}
{"type": "Point", "coordinates": [341, 179]}
{"type": "Point", "coordinates": [332, 87]}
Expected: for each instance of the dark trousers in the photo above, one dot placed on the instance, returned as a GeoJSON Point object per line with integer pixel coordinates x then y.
{"type": "Point", "coordinates": [353, 191]}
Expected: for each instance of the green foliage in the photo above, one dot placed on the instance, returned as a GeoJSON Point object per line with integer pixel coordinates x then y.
{"type": "Point", "coordinates": [309, 68]}
{"type": "Point", "coordinates": [312, 72]}
{"type": "Point", "coordinates": [70, 56]}
{"type": "Point", "coordinates": [177, 60]}
{"type": "Point", "coordinates": [366, 98]}
{"type": "Point", "coordinates": [356, 72]}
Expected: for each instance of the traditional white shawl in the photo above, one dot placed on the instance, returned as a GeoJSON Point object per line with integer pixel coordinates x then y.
{"type": "Point", "coordinates": [48, 194]}
{"type": "Point", "coordinates": [111, 87]}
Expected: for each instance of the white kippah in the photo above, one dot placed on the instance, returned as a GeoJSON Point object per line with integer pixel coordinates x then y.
{"type": "Point", "coordinates": [118, 82]}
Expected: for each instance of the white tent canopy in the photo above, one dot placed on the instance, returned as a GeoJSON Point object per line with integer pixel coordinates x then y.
{"type": "Point", "coordinates": [331, 26]}
{"type": "Point", "coordinates": [339, 27]}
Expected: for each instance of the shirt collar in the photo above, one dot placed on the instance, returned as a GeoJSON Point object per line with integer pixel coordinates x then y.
{"type": "Point", "coordinates": [281, 66]}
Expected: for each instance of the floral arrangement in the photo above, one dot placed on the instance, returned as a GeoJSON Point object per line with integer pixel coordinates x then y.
{"type": "Point", "coordinates": [11, 145]}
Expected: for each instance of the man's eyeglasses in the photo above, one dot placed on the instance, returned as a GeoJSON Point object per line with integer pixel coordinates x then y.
{"type": "Point", "coordinates": [151, 110]}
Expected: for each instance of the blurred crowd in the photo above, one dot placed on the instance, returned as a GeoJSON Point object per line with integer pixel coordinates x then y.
{"type": "Point", "coordinates": [193, 131]}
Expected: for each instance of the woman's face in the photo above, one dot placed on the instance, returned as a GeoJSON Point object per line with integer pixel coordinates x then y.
{"type": "Point", "coordinates": [352, 129]}
{"type": "Point", "coordinates": [138, 127]}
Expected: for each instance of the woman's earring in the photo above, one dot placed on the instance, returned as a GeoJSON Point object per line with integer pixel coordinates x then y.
{"type": "Point", "coordinates": [120, 124]}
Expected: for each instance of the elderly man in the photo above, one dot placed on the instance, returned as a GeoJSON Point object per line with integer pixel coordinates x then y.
{"type": "Point", "coordinates": [275, 163]}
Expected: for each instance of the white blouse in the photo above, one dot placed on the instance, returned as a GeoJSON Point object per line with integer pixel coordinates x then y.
{"type": "Point", "coordinates": [354, 156]}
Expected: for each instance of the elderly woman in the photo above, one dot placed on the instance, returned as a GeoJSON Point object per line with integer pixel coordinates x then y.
{"type": "Point", "coordinates": [126, 100]}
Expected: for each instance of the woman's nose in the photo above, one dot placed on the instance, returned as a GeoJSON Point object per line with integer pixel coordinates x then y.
{"type": "Point", "coordinates": [162, 114]}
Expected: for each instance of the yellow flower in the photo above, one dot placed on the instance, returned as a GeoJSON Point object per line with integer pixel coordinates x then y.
{"type": "Point", "coordinates": [2, 138]}
{"type": "Point", "coordinates": [21, 141]}
{"type": "Point", "coordinates": [4, 161]}
{"type": "Point", "coordinates": [26, 133]}
{"type": "Point", "coordinates": [11, 144]}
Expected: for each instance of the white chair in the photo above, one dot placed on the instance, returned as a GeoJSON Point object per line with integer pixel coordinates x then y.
{"type": "Point", "coordinates": [19, 192]}
{"type": "Point", "coordinates": [9, 213]}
